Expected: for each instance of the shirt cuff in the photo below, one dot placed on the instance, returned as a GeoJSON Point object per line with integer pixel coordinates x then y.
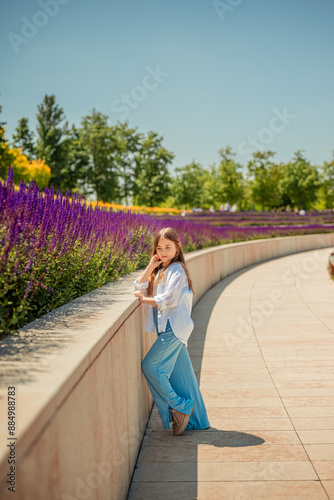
{"type": "Point", "coordinates": [160, 302]}
{"type": "Point", "coordinates": [140, 286]}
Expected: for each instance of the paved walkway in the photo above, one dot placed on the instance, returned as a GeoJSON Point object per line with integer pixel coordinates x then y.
{"type": "Point", "coordinates": [263, 351]}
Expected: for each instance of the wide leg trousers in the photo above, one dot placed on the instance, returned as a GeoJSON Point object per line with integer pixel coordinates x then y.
{"type": "Point", "coordinates": [170, 376]}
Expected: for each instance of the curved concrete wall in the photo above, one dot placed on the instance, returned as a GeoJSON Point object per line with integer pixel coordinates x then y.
{"type": "Point", "coordinates": [81, 400]}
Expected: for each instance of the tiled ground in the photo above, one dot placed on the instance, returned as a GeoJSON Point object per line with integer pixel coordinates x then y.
{"type": "Point", "coordinates": [263, 351]}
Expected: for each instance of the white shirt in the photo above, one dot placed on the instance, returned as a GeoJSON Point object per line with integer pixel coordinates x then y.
{"type": "Point", "coordinates": [174, 301]}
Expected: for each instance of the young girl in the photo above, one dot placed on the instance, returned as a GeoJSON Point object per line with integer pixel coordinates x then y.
{"type": "Point", "coordinates": [166, 289]}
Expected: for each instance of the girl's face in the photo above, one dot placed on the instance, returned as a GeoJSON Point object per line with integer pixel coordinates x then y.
{"type": "Point", "coordinates": [166, 250]}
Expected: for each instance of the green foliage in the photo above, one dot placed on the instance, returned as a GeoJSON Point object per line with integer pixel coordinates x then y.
{"type": "Point", "coordinates": [51, 134]}
{"type": "Point", "coordinates": [300, 181]}
{"type": "Point", "coordinates": [24, 138]}
{"type": "Point", "coordinates": [263, 177]}
{"type": "Point", "coordinates": [152, 179]}
{"type": "Point", "coordinates": [102, 147]}
{"type": "Point", "coordinates": [74, 170]}
{"type": "Point", "coordinates": [6, 156]}
{"type": "Point", "coordinates": [129, 144]}
{"type": "Point", "coordinates": [328, 183]}
{"type": "Point", "coordinates": [117, 164]}
{"type": "Point", "coordinates": [229, 180]}
{"type": "Point", "coordinates": [188, 185]}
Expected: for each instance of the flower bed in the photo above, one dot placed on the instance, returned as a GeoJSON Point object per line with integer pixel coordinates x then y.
{"type": "Point", "coordinates": [54, 249]}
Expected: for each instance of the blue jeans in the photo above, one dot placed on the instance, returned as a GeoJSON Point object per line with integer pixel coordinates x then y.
{"type": "Point", "coordinates": [170, 376]}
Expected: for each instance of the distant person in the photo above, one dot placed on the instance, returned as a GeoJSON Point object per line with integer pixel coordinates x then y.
{"type": "Point", "coordinates": [166, 287]}
{"type": "Point", "coordinates": [227, 207]}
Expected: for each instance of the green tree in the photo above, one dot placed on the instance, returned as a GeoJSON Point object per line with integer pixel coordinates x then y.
{"type": "Point", "coordinates": [300, 181]}
{"type": "Point", "coordinates": [262, 177]}
{"type": "Point", "coordinates": [76, 163]}
{"type": "Point", "coordinates": [6, 157]}
{"type": "Point", "coordinates": [2, 126]}
{"type": "Point", "coordinates": [52, 131]}
{"type": "Point", "coordinates": [230, 182]}
{"type": "Point", "coordinates": [129, 144]}
{"type": "Point", "coordinates": [102, 146]}
{"type": "Point", "coordinates": [210, 194]}
{"type": "Point", "coordinates": [187, 185]}
{"type": "Point", "coordinates": [24, 138]}
{"type": "Point", "coordinates": [152, 178]}
{"type": "Point", "coordinates": [328, 183]}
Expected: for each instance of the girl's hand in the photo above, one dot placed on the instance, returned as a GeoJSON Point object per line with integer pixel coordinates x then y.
{"type": "Point", "coordinates": [155, 261]}
{"type": "Point", "coordinates": [139, 294]}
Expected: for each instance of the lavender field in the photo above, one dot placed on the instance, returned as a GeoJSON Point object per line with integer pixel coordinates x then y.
{"type": "Point", "coordinates": [54, 249]}
{"type": "Point", "coordinates": [252, 218]}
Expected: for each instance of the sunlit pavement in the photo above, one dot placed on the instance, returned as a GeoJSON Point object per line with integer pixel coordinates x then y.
{"type": "Point", "coordinates": [263, 352]}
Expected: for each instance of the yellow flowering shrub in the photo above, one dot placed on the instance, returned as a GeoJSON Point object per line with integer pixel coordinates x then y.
{"type": "Point", "coordinates": [35, 170]}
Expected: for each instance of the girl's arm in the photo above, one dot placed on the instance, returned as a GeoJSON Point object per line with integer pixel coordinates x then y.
{"type": "Point", "coordinates": [141, 283]}
{"type": "Point", "coordinates": [146, 274]}
{"type": "Point", "coordinates": [154, 262]}
{"type": "Point", "coordinates": [145, 300]}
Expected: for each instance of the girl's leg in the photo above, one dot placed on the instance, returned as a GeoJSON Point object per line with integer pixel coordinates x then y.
{"type": "Point", "coordinates": [184, 381]}
{"type": "Point", "coordinates": [157, 367]}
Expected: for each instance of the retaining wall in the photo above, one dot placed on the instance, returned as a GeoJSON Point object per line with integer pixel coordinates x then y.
{"type": "Point", "coordinates": [81, 400]}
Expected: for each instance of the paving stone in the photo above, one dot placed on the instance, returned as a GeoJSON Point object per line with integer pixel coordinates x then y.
{"type": "Point", "coordinates": [329, 488]}
{"type": "Point", "coordinates": [237, 490]}
{"type": "Point", "coordinates": [318, 436]}
{"type": "Point", "coordinates": [226, 471]}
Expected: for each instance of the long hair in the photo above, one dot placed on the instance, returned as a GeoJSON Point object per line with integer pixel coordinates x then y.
{"type": "Point", "coordinates": [170, 234]}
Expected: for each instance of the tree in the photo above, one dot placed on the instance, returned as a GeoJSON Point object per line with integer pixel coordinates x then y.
{"type": "Point", "coordinates": [262, 175]}
{"type": "Point", "coordinates": [129, 144]}
{"type": "Point", "coordinates": [152, 178]}
{"type": "Point", "coordinates": [24, 139]}
{"type": "Point", "coordinates": [102, 146]}
{"type": "Point", "coordinates": [187, 185]}
{"type": "Point", "coordinates": [300, 181]}
{"type": "Point", "coordinates": [230, 182]}
{"type": "Point", "coordinates": [76, 163]}
{"type": "Point", "coordinates": [52, 130]}
{"type": "Point", "coordinates": [6, 155]}
{"type": "Point", "coordinates": [328, 183]}
{"type": "Point", "coordinates": [2, 127]}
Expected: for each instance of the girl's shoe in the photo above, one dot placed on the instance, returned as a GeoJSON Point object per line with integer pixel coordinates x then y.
{"type": "Point", "coordinates": [180, 421]}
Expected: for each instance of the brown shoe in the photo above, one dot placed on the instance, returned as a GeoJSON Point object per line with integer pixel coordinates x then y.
{"type": "Point", "coordinates": [180, 421]}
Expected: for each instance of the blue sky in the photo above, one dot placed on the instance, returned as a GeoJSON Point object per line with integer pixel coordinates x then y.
{"type": "Point", "coordinates": [252, 74]}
